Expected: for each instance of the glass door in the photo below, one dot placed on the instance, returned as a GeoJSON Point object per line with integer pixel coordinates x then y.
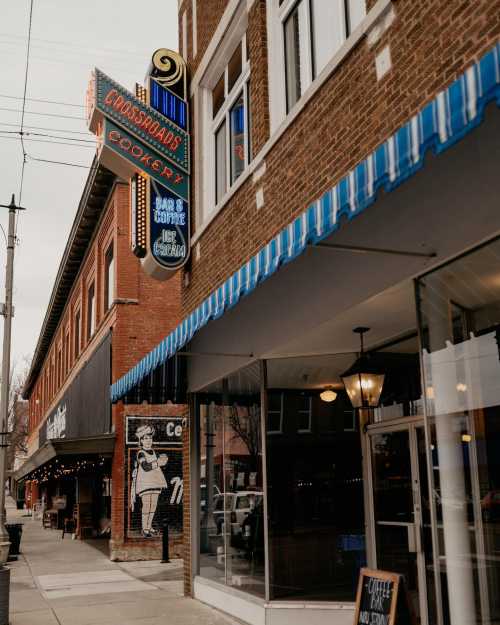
{"type": "Point", "coordinates": [399, 484]}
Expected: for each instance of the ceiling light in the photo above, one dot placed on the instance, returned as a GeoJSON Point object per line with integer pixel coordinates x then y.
{"type": "Point", "coordinates": [328, 395]}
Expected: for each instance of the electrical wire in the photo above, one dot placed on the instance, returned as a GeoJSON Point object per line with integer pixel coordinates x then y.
{"type": "Point", "coordinates": [124, 69]}
{"type": "Point", "coordinates": [70, 44]}
{"type": "Point", "coordinates": [44, 160]}
{"type": "Point", "coordinates": [75, 145]}
{"type": "Point", "coordinates": [24, 108]}
{"type": "Point", "coordinates": [41, 114]}
{"type": "Point", "coordinates": [11, 97]}
{"type": "Point", "coordinates": [73, 132]}
{"type": "Point", "coordinates": [43, 134]}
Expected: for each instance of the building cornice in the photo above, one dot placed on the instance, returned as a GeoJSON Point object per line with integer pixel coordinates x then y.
{"type": "Point", "coordinates": [96, 192]}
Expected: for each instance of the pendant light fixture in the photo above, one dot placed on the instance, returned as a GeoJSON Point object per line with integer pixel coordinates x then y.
{"type": "Point", "coordinates": [363, 381]}
{"type": "Point", "coordinates": [328, 395]}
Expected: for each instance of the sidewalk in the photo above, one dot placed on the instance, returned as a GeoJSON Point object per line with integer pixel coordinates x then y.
{"type": "Point", "coordinates": [70, 582]}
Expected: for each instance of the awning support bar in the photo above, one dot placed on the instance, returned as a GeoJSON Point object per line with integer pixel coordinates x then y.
{"type": "Point", "coordinates": [222, 354]}
{"type": "Point", "coordinates": [357, 249]}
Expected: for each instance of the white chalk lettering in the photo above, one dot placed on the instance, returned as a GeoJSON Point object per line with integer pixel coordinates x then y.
{"type": "Point", "coordinates": [177, 491]}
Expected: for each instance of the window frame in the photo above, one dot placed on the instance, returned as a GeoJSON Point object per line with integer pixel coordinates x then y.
{"type": "Point", "coordinates": [307, 412]}
{"type": "Point", "coordinates": [280, 412]}
{"type": "Point", "coordinates": [77, 332]}
{"type": "Point", "coordinates": [109, 297]}
{"type": "Point", "coordinates": [277, 14]}
{"type": "Point", "coordinates": [91, 310]}
{"type": "Point", "coordinates": [240, 87]}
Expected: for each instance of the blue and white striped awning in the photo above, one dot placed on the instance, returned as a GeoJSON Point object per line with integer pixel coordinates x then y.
{"type": "Point", "coordinates": [445, 120]}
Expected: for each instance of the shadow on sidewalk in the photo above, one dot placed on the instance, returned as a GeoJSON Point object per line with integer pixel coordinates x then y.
{"type": "Point", "coordinates": [100, 544]}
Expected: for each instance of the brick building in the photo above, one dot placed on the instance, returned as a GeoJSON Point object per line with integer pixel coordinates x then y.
{"type": "Point", "coordinates": [343, 178]}
{"type": "Point", "coordinates": [82, 451]}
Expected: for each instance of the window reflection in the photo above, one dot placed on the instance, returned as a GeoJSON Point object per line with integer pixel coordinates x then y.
{"type": "Point", "coordinates": [460, 308]}
{"type": "Point", "coordinates": [316, 520]}
{"type": "Point", "coordinates": [231, 498]}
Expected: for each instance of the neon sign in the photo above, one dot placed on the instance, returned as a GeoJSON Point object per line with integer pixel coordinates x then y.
{"type": "Point", "coordinates": [145, 138]}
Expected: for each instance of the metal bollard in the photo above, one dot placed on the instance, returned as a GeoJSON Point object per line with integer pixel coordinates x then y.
{"type": "Point", "coordinates": [164, 544]}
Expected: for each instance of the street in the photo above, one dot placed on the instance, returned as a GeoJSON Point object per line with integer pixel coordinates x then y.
{"type": "Point", "coordinates": [71, 582]}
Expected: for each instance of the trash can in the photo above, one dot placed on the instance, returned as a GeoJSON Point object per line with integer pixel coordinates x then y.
{"type": "Point", "coordinates": [15, 530]}
{"type": "Point", "coordinates": [4, 595]}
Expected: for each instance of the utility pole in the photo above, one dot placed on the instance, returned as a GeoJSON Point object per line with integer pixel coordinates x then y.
{"type": "Point", "coordinates": [7, 312]}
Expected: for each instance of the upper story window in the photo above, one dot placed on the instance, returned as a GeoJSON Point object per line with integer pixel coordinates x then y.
{"type": "Point", "coordinates": [59, 367]}
{"type": "Point", "coordinates": [109, 278]}
{"type": "Point", "coordinates": [303, 37]}
{"type": "Point", "coordinates": [90, 311]}
{"type": "Point", "coordinates": [77, 333]}
{"type": "Point", "coordinates": [230, 121]}
{"type": "Point", "coordinates": [66, 353]}
{"type": "Point", "coordinates": [313, 31]}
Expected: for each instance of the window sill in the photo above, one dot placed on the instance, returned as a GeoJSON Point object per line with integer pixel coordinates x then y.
{"type": "Point", "coordinates": [366, 24]}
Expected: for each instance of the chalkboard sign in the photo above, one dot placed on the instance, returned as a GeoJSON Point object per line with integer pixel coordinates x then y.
{"type": "Point", "coordinates": [378, 601]}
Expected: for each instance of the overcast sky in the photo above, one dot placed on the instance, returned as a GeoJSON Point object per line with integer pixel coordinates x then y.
{"type": "Point", "coordinates": [68, 39]}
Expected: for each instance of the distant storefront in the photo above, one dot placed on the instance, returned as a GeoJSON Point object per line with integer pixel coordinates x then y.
{"type": "Point", "coordinates": [70, 473]}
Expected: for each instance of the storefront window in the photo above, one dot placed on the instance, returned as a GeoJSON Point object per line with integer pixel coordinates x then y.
{"type": "Point", "coordinates": [315, 487]}
{"type": "Point", "coordinates": [460, 318]}
{"type": "Point", "coordinates": [231, 483]}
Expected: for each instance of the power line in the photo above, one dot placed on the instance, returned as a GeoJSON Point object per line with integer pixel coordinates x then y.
{"type": "Point", "coordinates": [11, 97]}
{"type": "Point", "coordinates": [43, 134]}
{"type": "Point", "coordinates": [124, 69]}
{"type": "Point", "coordinates": [41, 114]}
{"type": "Point", "coordinates": [44, 160]}
{"type": "Point", "coordinates": [70, 44]}
{"type": "Point", "coordinates": [24, 107]}
{"type": "Point", "coordinates": [73, 132]}
{"type": "Point", "coordinates": [75, 145]}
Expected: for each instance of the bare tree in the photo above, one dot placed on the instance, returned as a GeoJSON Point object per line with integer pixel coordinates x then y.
{"type": "Point", "coordinates": [245, 422]}
{"type": "Point", "coordinates": [18, 414]}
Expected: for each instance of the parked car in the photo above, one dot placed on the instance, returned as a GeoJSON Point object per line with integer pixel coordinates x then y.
{"type": "Point", "coordinates": [490, 505]}
{"type": "Point", "coordinates": [238, 506]}
{"type": "Point", "coordinates": [203, 495]}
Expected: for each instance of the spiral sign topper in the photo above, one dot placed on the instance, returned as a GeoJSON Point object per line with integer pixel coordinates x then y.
{"type": "Point", "coordinates": [169, 69]}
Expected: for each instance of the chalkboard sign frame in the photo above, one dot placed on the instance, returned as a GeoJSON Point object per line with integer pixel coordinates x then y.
{"type": "Point", "coordinates": [385, 576]}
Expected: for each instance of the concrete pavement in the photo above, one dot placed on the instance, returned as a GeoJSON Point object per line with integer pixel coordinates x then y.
{"type": "Point", "coordinates": [71, 582]}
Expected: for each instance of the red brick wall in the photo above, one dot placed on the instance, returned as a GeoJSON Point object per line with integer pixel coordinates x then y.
{"type": "Point", "coordinates": [431, 43]}
{"type": "Point", "coordinates": [149, 309]}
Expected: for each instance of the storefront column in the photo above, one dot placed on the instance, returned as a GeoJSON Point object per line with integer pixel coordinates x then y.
{"type": "Point", "coordinates": [455, 524]}
{"type": "Point", "coordinates": [457, 545]}
{"type": "Point", "coordinates": [265, 503]}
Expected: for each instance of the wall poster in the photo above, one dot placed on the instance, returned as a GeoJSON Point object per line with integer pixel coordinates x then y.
{"type": "Point", "coordinates": [154, 480]}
